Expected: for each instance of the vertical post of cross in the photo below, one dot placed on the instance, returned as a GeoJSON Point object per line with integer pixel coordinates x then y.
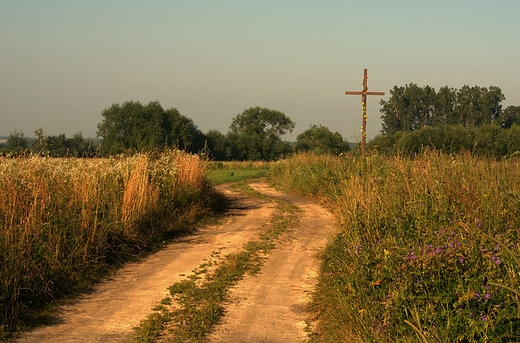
{"type": "Point", "coordinates": [364, 94]}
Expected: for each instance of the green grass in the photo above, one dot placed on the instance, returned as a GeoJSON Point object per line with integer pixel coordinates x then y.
{"type": "Point", "coordinates": [220, 176]}
{"type": "Point", "coordinates": [198, 300]}
{"type": "Point", "coordinates": [428, 249]}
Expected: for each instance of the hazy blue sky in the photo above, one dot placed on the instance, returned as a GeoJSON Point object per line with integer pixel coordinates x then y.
{"type": "Point", "coordinates": [63, 62]}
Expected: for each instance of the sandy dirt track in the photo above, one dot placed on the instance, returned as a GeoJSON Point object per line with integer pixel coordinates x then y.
{"type": "Point", "coordinates": [264, 308]}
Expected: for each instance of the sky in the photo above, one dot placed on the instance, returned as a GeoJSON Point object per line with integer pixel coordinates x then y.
{"type": "Point", "coordinates": [63, 62]}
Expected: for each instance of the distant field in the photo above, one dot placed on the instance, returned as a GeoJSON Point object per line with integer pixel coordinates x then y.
{"type": "Point", "coordinates": [223, 172]}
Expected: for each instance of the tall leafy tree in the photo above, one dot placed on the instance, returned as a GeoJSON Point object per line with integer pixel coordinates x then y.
{"type": "Point", "coordinates": [256, 133]}
{"type": "Point", "coordinates": [412, 107]}
{"type": "Point", "coordinates": [321, 140]}
{"type": "Point", "coordinates": [219, 145]}
{"type": "Point", "coordinates": [509, 116]}
{"type": "Point", "coordinates": [132, 127]}
{"type": "Point", "coordinates": [17, 141]}
{"type": "Point", "coordinates": [182, 132]}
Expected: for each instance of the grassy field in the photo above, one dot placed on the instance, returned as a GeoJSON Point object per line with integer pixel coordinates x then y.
{"type": "Point", "coordinates": [66, 222]}
{"type": "Point", "coordinates": [225, 172]}
{"type": "Point", "coordinates": [428, 248]}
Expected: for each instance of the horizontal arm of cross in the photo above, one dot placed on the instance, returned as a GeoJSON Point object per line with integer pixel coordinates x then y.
{"type": "Point", "coordinates": [367, 93]}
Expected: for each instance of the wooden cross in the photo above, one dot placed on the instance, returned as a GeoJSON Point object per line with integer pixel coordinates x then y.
{"type": "Point", "coordinates": [364, 94]}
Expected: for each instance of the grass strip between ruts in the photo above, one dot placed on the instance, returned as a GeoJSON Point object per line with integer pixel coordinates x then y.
{"type": "Point", "coordinates": [196, 303]}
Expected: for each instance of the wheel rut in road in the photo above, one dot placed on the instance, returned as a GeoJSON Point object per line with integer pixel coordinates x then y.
{"type": "Point", "coordinates": [267, 307]}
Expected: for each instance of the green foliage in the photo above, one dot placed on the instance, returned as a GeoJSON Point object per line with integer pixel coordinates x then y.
{"type": "Point", "coordinates": [427, 251]}
{"type": "Point", "coordinates": [486, 140]}
{"type": "Point", "coordinates": [509, 117]}
{"type": "Point", "coordinates": [133, 127]}
{"type": "Point", "coordinates": [411, 107]}
{"type": "Point", "coordinates": [17, 142]}
{"type": "Point", "coordinates": [50, 146]}
{"type": "Point", "coordinates": [256, 134]}
{"type": "Point", "coordinates": [321, 140]}
{"type": "Point", "coordinates": [220, 146]}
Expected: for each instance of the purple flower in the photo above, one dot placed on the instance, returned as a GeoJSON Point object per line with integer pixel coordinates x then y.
{"type": "Point", "coordinates": [477, 295]}
{"type": "Point", "coordinates": [487, 296]}
{"type": "Point", "coordinates": [496, 260]}
{"type": "Point", "coordinates": [479, 223]}
{"type": "Point", "coordinates": [484, 318]}
{"type": "Point", "coordinates": [411, 256]}
{"type": "Point", "coordinates": [461, 260]}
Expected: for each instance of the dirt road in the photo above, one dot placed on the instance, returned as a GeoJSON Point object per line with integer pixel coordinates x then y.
{"type": "Point", "coordinates": [267, 307]}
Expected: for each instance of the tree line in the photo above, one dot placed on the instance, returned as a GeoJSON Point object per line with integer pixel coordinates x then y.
{"type": "Point", "coordinates": [413, 118]}
{"type": "Point", "coordinates": [450, 119]}
{"type": "Point", "coordinates": [254, 134]}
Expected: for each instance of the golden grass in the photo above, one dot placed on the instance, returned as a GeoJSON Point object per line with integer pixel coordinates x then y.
{"type": "Point", "coordinates": [60, 218]}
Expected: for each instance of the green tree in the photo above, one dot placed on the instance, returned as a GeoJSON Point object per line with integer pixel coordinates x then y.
{"type": "Point", "coordinates": [77, 145]}
{"type": "Point", "coordinates": [256, 134]}
{"type": "Point", "coordinates": [509, 116]}
{"type": "Point", "coordinates": [182, 132]}
{"type": "Point", "coordinates": [321, 140]}
{"type": "Point", "coordinates": [17, 142]}
{"type": "Point", "coordinates": [218, 144]}
{"type": "Point", "coordinates": [132, 127]}
{"type": "Point", "coordinates": [57, 145]}
{"type": "Point", "coordinates": [412, 107]}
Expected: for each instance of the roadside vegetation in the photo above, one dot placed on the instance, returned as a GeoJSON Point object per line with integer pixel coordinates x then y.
{"type": "Point", "coordinates": [428, 248]}
{"type": "Point", "coordinates": [65, 223]}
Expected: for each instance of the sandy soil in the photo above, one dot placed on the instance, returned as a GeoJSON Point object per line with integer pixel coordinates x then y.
{"type": "Point", "coordinates": [265, 308]}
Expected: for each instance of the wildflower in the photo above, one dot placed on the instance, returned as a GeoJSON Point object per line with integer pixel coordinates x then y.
{"type": "Point", "coordinates": [478, 222]}
{"type": "Point", "coordinates": [484, 318]}
{"type": "Point", "coordinates": [487, 296]}
{"type": "Point", "coordinates": [477, 295]}
{"type": "Point", "coordinates": [411, 256]}
{"type": "Point", "coordinates": [461, 260]}
{"type": "Point", "coordinates": [496, 260]}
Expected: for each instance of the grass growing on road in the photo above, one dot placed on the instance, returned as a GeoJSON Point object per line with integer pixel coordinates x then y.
{"type": "Point", "coordinates": [198, 300]}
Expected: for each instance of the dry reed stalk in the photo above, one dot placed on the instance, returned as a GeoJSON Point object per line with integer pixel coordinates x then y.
{"type": "Point", "coordinates": [139, 194]}
{"type": "Point", "coordinates": [191, 170]}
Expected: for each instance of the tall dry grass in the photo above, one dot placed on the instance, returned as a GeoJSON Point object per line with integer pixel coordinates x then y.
{"type": "Point", "coordinates": [63, 221]}
{"type": "Point", "coordinates": [428, 249]}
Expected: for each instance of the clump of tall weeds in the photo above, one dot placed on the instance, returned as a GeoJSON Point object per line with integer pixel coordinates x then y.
{"type": "Point", "coordinates": [428, 249]}
{"type": "Point", "coordinates": [63, 222]}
